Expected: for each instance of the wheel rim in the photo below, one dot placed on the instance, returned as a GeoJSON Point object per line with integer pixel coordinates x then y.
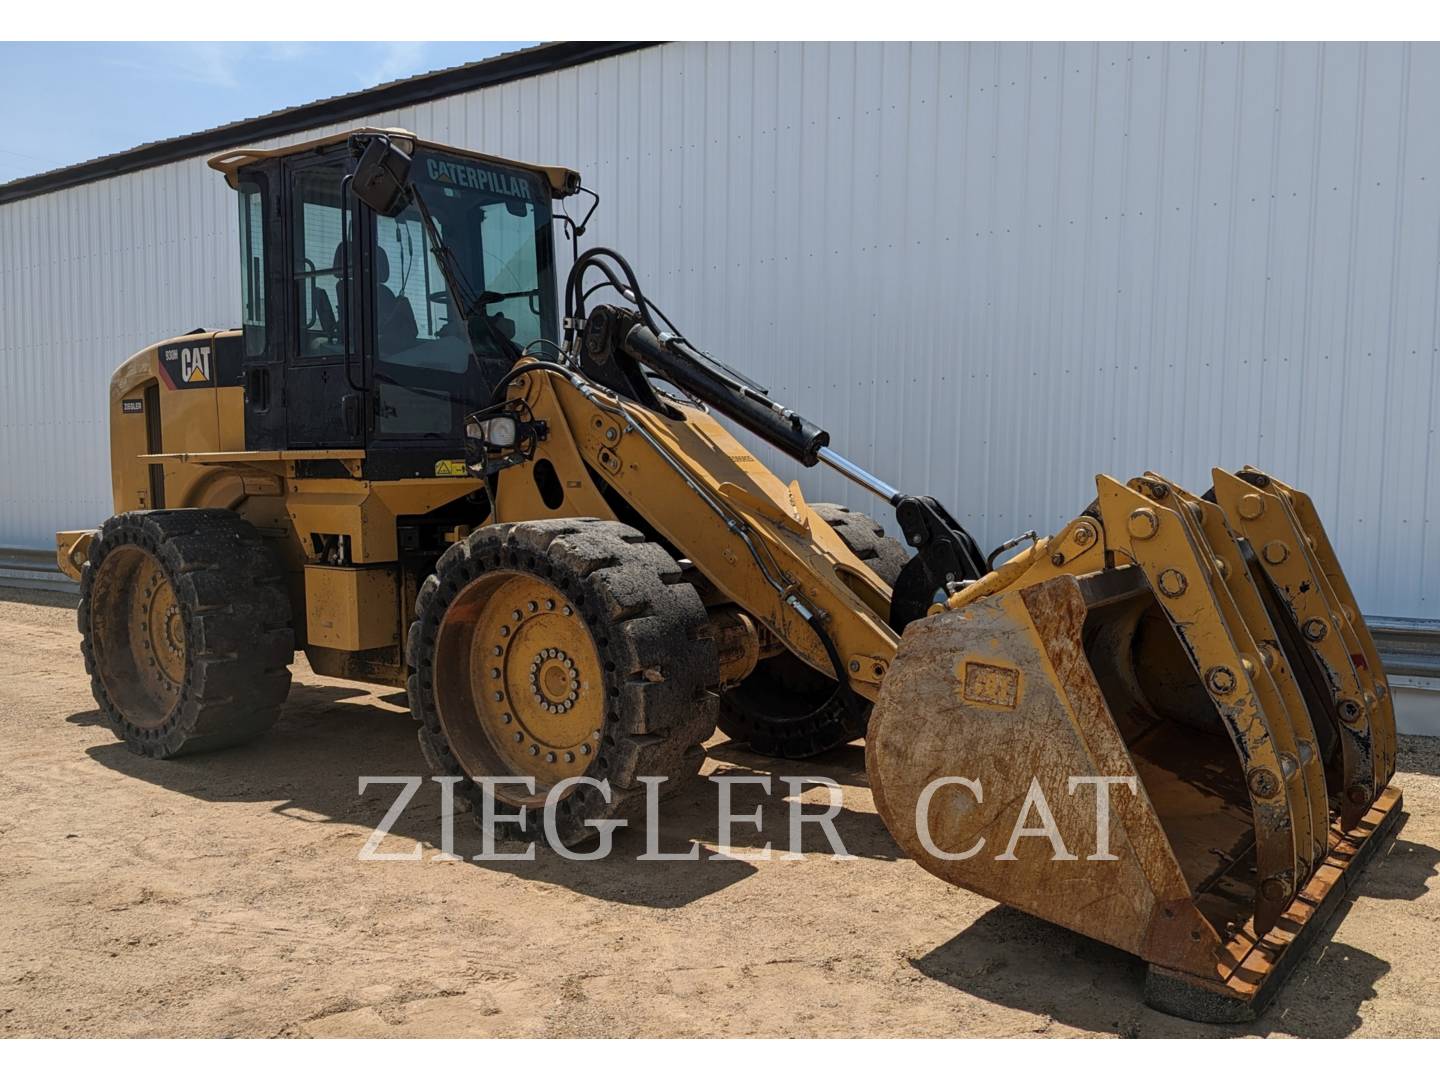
{"type": "Point", "coordinates": [139, 636]}
{"type": "Point", "coordinates": [519, 685]}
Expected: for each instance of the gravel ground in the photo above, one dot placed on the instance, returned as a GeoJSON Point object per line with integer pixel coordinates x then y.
{"type": "Point", "coordinates": [222, 896]}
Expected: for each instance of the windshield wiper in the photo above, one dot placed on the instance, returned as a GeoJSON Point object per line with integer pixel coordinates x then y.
{"type": "Point", "coordinates": [467, 301]}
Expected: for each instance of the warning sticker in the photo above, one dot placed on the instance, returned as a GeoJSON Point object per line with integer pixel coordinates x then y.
{"type": "Point", "coordinates": [450, 467]}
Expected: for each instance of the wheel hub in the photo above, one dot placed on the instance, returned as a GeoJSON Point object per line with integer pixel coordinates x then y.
{"type": "Point", "coordinates": [159, 628]}
{"type": "Point", "coordinates": [140, 635]}
{"type": "Point", "coordinates": [554, 681]}
{"type": "Point", "coordinates": [518, 680]}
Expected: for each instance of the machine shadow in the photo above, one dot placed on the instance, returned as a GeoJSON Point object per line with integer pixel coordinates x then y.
{"type": "Point", "coordinates": [52, 598]}
{"type": "Point", "coordinates": [1418, 754]}
{"type": "Point", "coordinates": [309, 765]}
{"type": "Point", "coordinates": [1024, 963]}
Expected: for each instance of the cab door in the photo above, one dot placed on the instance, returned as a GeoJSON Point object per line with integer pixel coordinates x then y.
{"type": "Point", "coordinates": [262, 310]}
{"type": "Point", "coordinates": [325, 404]}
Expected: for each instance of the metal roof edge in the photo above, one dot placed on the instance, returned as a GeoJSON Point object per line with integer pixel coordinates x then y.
{"type": "Point", "coordinates": [508, 67]}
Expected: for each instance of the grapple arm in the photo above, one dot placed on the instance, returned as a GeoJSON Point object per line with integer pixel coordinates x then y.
{"type": "Point", "coordinates": [1207, 651]}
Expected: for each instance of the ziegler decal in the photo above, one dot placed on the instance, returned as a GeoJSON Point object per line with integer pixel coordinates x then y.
{"type": "Point", "coordinates": [183, 366]}
{"type": "Point", "coordinates": [132, 405]}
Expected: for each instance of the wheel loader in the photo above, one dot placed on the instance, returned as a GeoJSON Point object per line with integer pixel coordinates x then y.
{"type": "Point", "coordinates": [428, 462]}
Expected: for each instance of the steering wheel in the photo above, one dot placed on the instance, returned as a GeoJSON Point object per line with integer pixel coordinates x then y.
{"type": "Point", "coordinates": [485, 299]}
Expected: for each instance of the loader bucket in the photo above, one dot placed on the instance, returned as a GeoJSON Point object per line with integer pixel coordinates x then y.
{"type": "Point", "coordinates": [1165, 727]}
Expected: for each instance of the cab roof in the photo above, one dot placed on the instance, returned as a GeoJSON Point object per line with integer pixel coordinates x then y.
{"type": "Point", "coordinates": [562, 181]}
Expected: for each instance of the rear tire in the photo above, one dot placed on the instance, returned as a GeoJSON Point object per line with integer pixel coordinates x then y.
{"type": "Point", "coordinates": [558, 649]}
{"type": "Point", "coordinates": [866, 539]}
{"type": "Point", "coordinates": [185, 627]}
{"type": "Point", "coordinates": [785, 708]}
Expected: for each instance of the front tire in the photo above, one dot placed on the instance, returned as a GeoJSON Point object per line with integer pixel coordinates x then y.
{"type": "Point", "coordinates": [787, 709]}
{"type": "Point", "coordinates": [185, 627]}
{"type": "Point", "coordinates": [560, 649]}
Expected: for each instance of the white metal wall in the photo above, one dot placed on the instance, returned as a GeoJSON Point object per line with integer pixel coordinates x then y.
{"type": "Point", "coordinates": [990, 270]}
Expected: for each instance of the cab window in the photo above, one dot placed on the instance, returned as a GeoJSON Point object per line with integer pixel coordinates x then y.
{"type": "Point", "coordinates": [441, 346]}
{"type": "Point", "coordinates": [252, 267]}
{"type": "Point", "coordinates": [318, 263]}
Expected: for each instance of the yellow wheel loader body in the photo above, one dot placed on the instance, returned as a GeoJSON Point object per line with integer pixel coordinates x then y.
{"type": "Point", "coordinates": [1165, 726]}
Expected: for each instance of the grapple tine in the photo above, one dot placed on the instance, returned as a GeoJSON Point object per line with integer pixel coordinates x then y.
{"type": "Point", "coordinates": [1382, 718]}
{"type": "Point", "coordinates": [1227, 660]}
{"type": "Point", "coordinates": [1263, 516]}
{"type": "Point", "coordinates": [1282, 699]}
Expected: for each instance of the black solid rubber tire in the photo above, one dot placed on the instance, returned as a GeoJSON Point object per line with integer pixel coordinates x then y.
{"type": "Point", "coordinates": [651, 630]}
{"type": "Point", "coordinates": [866, 539]}
{"type": "Point", "coordinates": [236, 614]}
{"type": "Point", "coordinates": [775, 709]}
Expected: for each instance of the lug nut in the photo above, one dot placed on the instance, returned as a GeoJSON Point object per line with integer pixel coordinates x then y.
{"type": "Point", "coordinates": [1314, 629]}
{"type": "Point", "coordinates": [1275, 552]}
{"type": "Point", "coordinates": [1350, 711]}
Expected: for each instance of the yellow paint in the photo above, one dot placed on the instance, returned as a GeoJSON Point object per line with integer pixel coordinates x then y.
{"type": "Point", "coordinates": [350, 607]}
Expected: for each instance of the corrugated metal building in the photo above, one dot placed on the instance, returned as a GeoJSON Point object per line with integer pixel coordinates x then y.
{"type": "Point", "coordinates": [989, 270]}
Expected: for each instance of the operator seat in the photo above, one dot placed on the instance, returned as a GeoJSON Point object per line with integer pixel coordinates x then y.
{"type": "Point", "coordinates": [395, 325]}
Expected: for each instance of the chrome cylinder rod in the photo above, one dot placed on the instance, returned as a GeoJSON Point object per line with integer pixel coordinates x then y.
{"type": "Point", "coordinates": [851, 471]}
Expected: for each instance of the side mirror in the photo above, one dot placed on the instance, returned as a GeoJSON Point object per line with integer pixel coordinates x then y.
{"type": "Point", "coordinates": [382, 177]}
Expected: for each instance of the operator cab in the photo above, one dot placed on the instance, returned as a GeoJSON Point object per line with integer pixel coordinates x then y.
{"type": "Point", "coordinates": [383, 333]}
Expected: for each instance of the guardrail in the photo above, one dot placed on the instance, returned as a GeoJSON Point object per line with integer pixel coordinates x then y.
{"type": "Point", "coordinates": [26, 568]}
{"type": "Point", "coordinates": [1409, 648]}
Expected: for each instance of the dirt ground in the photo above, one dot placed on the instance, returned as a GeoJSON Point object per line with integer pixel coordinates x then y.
{"type": "Point", "coordinates": [222, 896]}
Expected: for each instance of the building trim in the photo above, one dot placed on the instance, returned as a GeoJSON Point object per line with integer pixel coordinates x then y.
{"type": "Point", "coordinates": [508, 67]}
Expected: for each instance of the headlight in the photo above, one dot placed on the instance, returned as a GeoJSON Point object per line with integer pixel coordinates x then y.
{"type": "Point", "coordinates": [499, 432]}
